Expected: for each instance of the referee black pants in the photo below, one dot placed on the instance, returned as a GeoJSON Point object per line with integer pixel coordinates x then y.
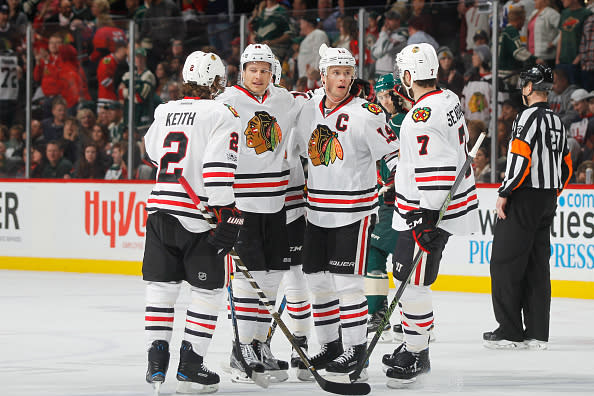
{"type": "Point", "coordinates": [520, 273]}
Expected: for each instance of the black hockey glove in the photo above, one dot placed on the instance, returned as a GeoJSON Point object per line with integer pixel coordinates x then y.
{"type": "Point", "coordinates": [229, 221]}
{"type": "Point", "coordinates": [422, 222]}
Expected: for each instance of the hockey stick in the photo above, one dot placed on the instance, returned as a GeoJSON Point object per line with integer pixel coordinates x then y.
{"type": "Point", "coordinates": [444, 207]}
{"type": "Point", "coordinates": [272, 328]}
{"type": "Point", "coordinates": [357, 388]}
{"type": "Point", "coordinates": [259, 379]}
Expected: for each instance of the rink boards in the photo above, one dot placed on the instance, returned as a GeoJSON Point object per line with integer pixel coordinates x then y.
{"type": "Point", "coordinates": [100, 227]}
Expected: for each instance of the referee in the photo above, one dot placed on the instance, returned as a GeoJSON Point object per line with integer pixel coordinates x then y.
{"type": "Point", "coordinates": [538, 168]}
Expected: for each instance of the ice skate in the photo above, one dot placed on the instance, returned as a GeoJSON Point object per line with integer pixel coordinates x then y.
{"type": "Point", "coordinates": [193, 376]}
{"type": "Point", "coordinates": [277, 369]}
{"type": "Point", "coordinates": [348, 362]}
{"type": "Point", "coordinates": [301, 373]}
{"type": "Point", "coordinates": [158, 362]}
{"type": "Point", "coordinates": [373, 324]}
{"type": "Point", "coordinates": [327, 353]}
{"type": "Point", "coordinates": [238, 373]}
{"type": "Point", "coordinates": [406, 367]}
{"type": "Point", "coordinates": [494, 340]}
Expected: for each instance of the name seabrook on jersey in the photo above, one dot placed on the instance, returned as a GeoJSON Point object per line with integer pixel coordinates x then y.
{"type": "Point", "coordinates": [185, 118]}
{"type": "Point", "coordinates": [455, 114]}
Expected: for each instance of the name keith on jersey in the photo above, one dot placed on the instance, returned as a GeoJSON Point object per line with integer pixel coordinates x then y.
{"type": "Point", "coordinates": [186, 118]}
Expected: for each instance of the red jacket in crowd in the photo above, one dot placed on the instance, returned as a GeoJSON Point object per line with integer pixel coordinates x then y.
{"type": "Point", "coordinates": [104, 41]}
{"type": "Point", "coordinates": [47, 72]}
{"type": "Point", "coordinates": [105, 73]}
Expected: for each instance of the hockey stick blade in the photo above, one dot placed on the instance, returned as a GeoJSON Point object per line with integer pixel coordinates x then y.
{"type": "Point", "coordinates": [417, 258]}
{"type": "Point", "coordinates": [358, 388]}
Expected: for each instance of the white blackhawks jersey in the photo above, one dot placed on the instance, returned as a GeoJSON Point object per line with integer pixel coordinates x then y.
{"type": "Point", "coordinates": [342, 148]}
{"type": "Point", "coordinates": [261, 178]}
{"type": "Point", "coordinates": [433, 142]}
{"type": "Point", "coordinates": [197, 139]}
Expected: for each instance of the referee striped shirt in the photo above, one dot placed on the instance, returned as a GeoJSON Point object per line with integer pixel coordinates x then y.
{"type": "Point", "coordinates": [538, 156]}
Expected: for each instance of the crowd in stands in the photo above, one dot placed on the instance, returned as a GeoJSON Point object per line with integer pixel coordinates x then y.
{"type": "Point", "coordinates": [81, 71]}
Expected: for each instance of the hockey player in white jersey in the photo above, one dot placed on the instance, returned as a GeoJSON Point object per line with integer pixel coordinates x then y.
{"type": "Point", "coordinates": [433, 141]}
{"type": "Point", "coordinates": [342, 136]}
{"type": "Point", "coordinates": [196, 139]}
{"type": "Point", "coordinates": [267, 116]}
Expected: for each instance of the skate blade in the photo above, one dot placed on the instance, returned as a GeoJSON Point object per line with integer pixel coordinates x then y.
{"type": "Point", "coordinates": [193, 388]}
{"type": "Point", "coordinates": [304, 375]}
{"type": "Point", "coordinates": [277, 376]}
{"type": "Point", "coordinates": [345, 378]}
{"type": "Point", "coordinates": [239, 377]}
{"type": "Point", "coordinates": [503, 344]}
{"type": "Point", "coordinates": [415, 382]}
{"type": "Point", "coordinates": [156, 388]}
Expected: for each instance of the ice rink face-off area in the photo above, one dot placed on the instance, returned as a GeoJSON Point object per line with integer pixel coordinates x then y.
{"type": "Point", "coordinates": [68, 334]}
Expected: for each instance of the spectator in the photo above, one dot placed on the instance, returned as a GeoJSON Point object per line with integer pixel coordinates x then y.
{"type": "Point", "coordinates": [136, 11]}
{"type": "Point", "coordinates": [372, 30]}
{"type": "Point", "coordinates": [163, 81]}
{"type": "Point", "coordinates": [107, 73]}
{"type": "Point", "coordinates": [55, 166]}
{"type": "Point", "coordinates": [389, 43]}
{"type": "Point", "coordinates": [347, 32]}
{"type": "Point", "coordinates": [527, 5]}
{"type": "Point", "coordinates": [3, 133]}
{"type": "Point", "coordinates": [72, 85]}
{"type": "Point", "coordinates": [86, 120]}
{"type": "Point", "coordinates": [219, 29]}
{"type": "Point", "coordinates": [417, 35]}
{"type": "Point", "coordinates": [587, 149]}
{"type": "Point", "coordinates": [328, 18]}
{"type": "Point", "coordinates": [475, 128]}
{"type": "Point", "coordinates": [9, 33]}
{"type": "Point", "coordinates": [88, 166]}
{"type": "Point", "coordinates": [586, 54]}
{"type": "Point", "coordinates": [53, 127]}
{"type": "Point", "coordinates": [9, 89]}
{"type": "Point", "coordinates": [308, 57]}
{"type": "Point", "coordinates": [509, 111]}
{"type": "Point", "coordinates": [102, 116]}
{"type": "Point", "coordinates": [419, 9]}
{"type": "Point", "coordinates": [447, 76]}
{"type": "Point", "coordinates": [144, 89]}
{"type": "Point", "coordinates": [174, 91]}
{"type": "Point", "coordinates": [37, 137]}
{"type": "Point", "coordinates": [579, 101]}
{"type": "Point", "coordinates": [16, 17]}
{"type": "Point", "coordinates": [481, 165]}
{"type": "Point", "coordinates": [162, 22]}
{"type": "Point", "coordinates": [580, 174]}
{"type": "Point", "coordinates": [15, 143]}
{"type": "Point", "coordinates": [512, 54]}
{"type": "Point", "coordinates": [570, 25]}
{"type": "Point", "coordinates": [477, 26]}
{"type": "Point", "coordinates": [107, 35]}
{"type": "Point", "coordinates": [118, 169]}
{"type": "Point", "coordinates": [37, 159]}
{"type": "Point", "coordinates": [560, 97]}
{"type": "Point", "coordinates": [71, 142]}
{"type": "Point", "coordinates": [270, 23]}
{"type": "Point", "coordinates": [81, 11]}
{"type": "Point", "coordinates": [116, 125]}
{"type": "Point", "coordinates": [47, 71]}
{"type": "Point", "coordinates": [100, 138]}
{"type": "Point", "coordinates": [60, 21]}
{"type": "Point", "coordinates": [476, 95]}
{"type": "Point", "coordinates": [543, 28]}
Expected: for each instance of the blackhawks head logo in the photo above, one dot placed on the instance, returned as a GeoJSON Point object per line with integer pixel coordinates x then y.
{"type": "Point", "coordinates": [324, 146]}
{"type": "Point", "coordinates": [372, 107]}
{"type": "Point", "coordinates": [421, 114]}
{"type": "Point", "coordinates": [263, 132]}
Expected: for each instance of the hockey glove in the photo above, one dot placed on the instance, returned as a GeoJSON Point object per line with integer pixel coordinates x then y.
{"type": "Point", "coordinates": [422, 222]}
{"type": "Point", "coordinates": [229, 221]}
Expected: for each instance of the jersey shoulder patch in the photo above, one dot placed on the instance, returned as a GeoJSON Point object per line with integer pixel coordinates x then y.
{"type": "Point", "coordinates": [372, 108]}
{"type": "Point", "coordinates": [107, 60]}
{"type": "Point", "coordinates": [421, 114]}
{"type": "Point", "coordinates": [232, 110]}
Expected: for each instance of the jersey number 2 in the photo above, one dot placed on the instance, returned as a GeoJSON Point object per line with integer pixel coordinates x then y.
{"type": "Point", "coordinates": [172, 157]}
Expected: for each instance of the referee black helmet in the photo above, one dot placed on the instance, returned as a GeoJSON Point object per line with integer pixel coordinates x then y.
{"type": "Point", "coordinates": [540, 76]}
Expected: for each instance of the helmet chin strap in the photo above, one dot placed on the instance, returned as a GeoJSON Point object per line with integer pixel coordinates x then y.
{"type": "Point", "coordinates": [409, 90]}
{"type": "Point", "coordinates": [525, 97]}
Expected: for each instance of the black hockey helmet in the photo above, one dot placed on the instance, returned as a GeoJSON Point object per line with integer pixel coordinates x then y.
{"type": "Point", "coordinates": [541, 77]}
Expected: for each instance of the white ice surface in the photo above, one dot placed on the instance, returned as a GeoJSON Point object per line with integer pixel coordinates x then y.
{"type": "Point", "coordinates": [66, 334]}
